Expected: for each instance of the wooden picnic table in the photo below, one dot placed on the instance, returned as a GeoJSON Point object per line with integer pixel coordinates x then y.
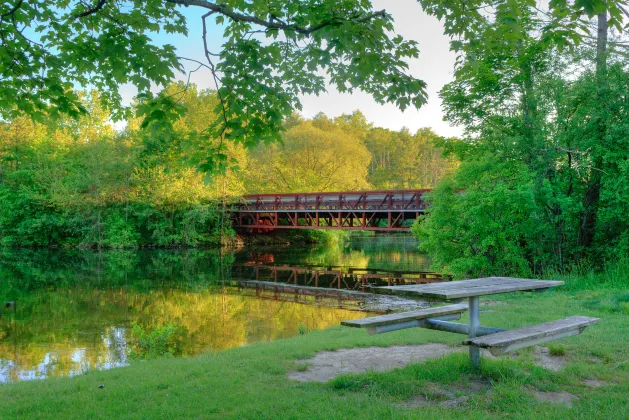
{"type": "Point", "coordinates": [496, 340]}
{"type": "Point", "coordinates": [472, 289]}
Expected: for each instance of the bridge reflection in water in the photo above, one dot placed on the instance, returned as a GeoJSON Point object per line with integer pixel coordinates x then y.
{"type": "Point", "coordinates": [391, 211]}
{"type": "Point", "coordinates": [332, 277]}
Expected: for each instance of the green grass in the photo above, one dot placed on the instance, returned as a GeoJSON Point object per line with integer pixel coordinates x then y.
{"type": "Point", "coordinates": [250, 382]}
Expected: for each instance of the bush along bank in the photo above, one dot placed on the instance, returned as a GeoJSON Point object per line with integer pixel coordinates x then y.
{"type": "Point", "coordinates": [33, 222]}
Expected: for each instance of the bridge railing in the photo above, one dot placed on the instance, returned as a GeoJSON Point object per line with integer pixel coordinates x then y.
{"type": "Point", "coordinates": [398, 200]}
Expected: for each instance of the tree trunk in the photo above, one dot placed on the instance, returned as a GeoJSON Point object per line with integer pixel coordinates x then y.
{"type": "Point", "coordinates": [601, 48]}
{"type": "Point", "coordinates": [593, 192]}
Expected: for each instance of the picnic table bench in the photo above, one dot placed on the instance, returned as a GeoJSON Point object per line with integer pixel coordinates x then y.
{"type": "Point", "coordinates": [496, 340]}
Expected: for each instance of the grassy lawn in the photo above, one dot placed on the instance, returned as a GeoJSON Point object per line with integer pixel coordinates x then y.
{"type": "Point", "coordinates": [251, 381]}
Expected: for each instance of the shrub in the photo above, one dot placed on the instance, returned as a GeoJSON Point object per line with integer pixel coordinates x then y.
{"type": "Point", "coordinates": [485, 221]}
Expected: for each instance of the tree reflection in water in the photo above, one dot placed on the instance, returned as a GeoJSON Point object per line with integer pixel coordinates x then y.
{"type": "Point", "coordinates": [74, 309]}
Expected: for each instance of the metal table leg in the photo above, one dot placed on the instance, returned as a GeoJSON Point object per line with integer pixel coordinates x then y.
{"type": "Point", "coordinates": [474, 324]}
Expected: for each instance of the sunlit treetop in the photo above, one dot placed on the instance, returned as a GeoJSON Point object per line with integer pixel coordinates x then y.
{"type": "Point", "coordinates": [563, 21]}
{"type": "Point", "coordinates": [273, 51]}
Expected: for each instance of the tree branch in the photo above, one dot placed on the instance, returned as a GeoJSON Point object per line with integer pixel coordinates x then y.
{"type": "Point", "coordinates": [91, 11]}
{"type": "Point", "coordinates": [13, 9]}
{"type": "Point", "coordinates": [578, 152]}
{"type": "Point", "coordinates": [622, 9]}
{"type": "Point", "coordinates": [214, 75]}
{"type": "Point", "coordinates": [274, 23]}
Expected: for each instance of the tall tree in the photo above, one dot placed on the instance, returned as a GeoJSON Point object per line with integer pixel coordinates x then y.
{"type": "Point", "coordinates": [542, 106]}
{"type": "Point", "coordinates": [593, 193]}
{"type": "Point", "coordinates": [310, 159]}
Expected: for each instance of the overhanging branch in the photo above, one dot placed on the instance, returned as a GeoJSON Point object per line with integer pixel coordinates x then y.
{"type": "Point", "coordinates": [13, 9]}
{"type": "Point", "coordinates": [274, 23]}
{"type": "Point", "coordinates": [92, 10]}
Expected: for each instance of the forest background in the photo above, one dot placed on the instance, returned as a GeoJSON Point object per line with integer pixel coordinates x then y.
{"type": "Point", "coordinates": [82, 183]}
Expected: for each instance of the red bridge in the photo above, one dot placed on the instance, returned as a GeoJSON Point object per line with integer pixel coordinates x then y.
{"type": "Point", "coordinates": [358, 210]}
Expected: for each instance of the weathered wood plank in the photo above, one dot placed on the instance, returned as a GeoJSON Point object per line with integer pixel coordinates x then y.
{"type": "Point", "coordinates": [535, 334]}
{"type": "Point", "coordinates": [476, 287]}
{"type": "Point", "coordinates": [481, 281]}
{"type": "Point", "coordinates": [477, 282]}
{"type": "Point", "coordinates": [491, 290]}
{"type": "Point", "coordinates": [490, 281]}
{"type": "Point", "coordinates": [292, 288]}
{"type": "Point", "coordinates": [376, 321]}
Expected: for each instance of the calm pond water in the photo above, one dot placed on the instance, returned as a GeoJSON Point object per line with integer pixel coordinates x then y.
{"type": "Point", "coordinates": [73, 310]}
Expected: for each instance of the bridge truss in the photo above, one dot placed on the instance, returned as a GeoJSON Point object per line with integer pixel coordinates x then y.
{"type": "Point", "coordinates": [359, 210]}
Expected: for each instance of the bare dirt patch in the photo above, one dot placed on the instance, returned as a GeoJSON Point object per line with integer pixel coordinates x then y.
{"type": "Point", "coordinates": [417, 401]}
{"type": "Point", "coordinates": [561, 397]}
{"type": "Point", "coordinates": [594, 383]}
{"type": "Point", "coordinates": [452, 396]}
{"type": "Point", "coordinates": [546, 360]}
{"type": "Point", "coordinates": [492, 303]}
{"type": "Point", "coordinates": [327, 365]}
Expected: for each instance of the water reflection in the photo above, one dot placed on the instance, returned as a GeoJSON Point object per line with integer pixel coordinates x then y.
{"type": "Point", "coordinates": [74, 309]}
{"type": "Point", "coordinates": [333, 277]}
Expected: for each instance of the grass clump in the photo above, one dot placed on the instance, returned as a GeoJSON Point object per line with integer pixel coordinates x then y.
{"type": "Point", "coordinates": [302, 367]}
{"type": "Point", "coordinates": [303, 329]}
{"type": "Point", "coordinates": [556, 350]}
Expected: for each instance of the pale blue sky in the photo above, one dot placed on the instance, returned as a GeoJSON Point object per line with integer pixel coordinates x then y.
{"type": "Point", "coordinates": [434, 66]}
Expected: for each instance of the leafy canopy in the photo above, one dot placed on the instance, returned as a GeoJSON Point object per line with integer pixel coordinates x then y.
{"type": "Point", "coordinates": [540, 90]}
{"type": "Point", "coordinates": [310, 159]}
{"type": "Point", "coordinates": [51, 47]}
{"type": "Point", "coordinates": [273, 51]}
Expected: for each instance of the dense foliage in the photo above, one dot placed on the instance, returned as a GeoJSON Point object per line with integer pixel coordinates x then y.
{"type": "Point", "coordinates": [346, 154]}
{"type": "Point", "coordinates": [81, 183]}
{"type": "Point", "coordinates": [272, 52]}
{"type": "Point", "coordinates": [544, 162]}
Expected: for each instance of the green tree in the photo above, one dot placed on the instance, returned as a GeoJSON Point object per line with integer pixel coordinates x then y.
{"type": "Point", "coordinates": [80, 183]}
{"type": "Point", "coordinates": [493, 227]}
{"type": "Point", "coordinates": [310, 159]}
{"type": "Point", "coordinates": [537, 96]}
{"type": "Point", "coordinates": [402, 160]}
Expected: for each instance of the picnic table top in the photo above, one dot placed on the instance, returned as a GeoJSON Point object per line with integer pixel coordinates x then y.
{"type": "Point", "coordinates": [476, 287]}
